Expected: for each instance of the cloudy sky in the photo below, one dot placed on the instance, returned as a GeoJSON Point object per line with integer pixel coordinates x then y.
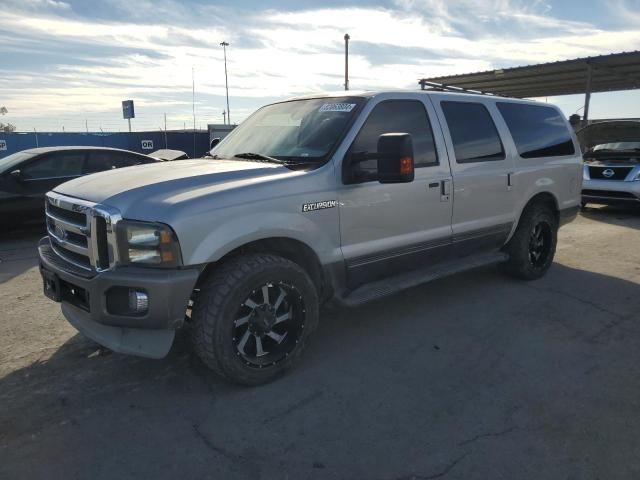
{"type": "Point", "coordinates": [64, 62]}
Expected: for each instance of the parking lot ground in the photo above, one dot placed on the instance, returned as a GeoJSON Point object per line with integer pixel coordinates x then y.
{"type": "Point", "coordinates": [476, 376]}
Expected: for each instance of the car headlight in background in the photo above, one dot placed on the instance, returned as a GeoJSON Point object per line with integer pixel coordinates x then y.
{"type": "Point", "coordinates": [148, 244]}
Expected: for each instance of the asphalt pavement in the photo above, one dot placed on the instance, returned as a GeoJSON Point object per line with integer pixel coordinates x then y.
{"type": "Point", "coordinates": [476, 376]}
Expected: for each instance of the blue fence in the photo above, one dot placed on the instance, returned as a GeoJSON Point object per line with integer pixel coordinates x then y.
{"type": "Point", "coordinates": [194, 144]}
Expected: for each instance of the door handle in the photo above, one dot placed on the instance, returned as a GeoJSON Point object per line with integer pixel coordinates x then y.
{"type": "Point", "coordinates": [445, 190]}
{"type": "Point", "coordinates": [509, 181]}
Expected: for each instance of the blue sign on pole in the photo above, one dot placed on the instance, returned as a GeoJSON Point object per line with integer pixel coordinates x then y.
{"type": "Point", "coordinates": [127, 109]}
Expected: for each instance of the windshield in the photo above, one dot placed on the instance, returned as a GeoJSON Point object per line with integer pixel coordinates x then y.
{"type": "Point", "coordinates": [297, 131]}
{"type": "Point", "coordinates": [617, 146]}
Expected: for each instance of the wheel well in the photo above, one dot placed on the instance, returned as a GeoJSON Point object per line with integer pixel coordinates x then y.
{"type": "Point", "coordinates": [544, 198]}
{"type": "Point", "coordinates": [294, 250]}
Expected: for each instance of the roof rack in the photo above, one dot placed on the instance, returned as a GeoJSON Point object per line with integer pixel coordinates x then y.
{"type": "Point", "coordinates": [440, 87]}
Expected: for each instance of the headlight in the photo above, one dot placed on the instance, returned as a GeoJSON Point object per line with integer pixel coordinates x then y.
{"type": "Point", "coordinates": [149, 244]}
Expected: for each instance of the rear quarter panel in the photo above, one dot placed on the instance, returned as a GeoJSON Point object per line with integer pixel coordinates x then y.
{"type": "Point", "coordinates": [559, 176]}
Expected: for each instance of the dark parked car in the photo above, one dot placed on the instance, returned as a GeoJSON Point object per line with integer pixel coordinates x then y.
{"type": "Point", "coordinates": [26, 176]}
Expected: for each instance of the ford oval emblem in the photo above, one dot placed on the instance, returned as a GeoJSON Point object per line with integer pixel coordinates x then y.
{"type": "Point", "coordinates": [60, 232]}
{"type": "Point", "coordinates": [608, 173]}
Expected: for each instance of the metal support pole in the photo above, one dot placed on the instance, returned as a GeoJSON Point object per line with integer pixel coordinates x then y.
{"type": "Point", "coordinates": [129, 120]}
{"type": "Point", "coordinates": [226, 79]}
{"type": "Point", "coordinates": [346, 61]}
{"type": "Point", "coordinates": [165, 131]}
{"type": "Point", "coordinates": [587, 96]}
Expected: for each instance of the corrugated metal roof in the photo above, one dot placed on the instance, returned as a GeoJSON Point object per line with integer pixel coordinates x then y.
{"type": "Point", "coordinates": [613, 72]}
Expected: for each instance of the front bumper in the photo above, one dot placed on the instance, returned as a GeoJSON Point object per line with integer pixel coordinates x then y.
{"type": "Point", "coordinates": [611, 191]}
{"type": "Point", "coordinates": [85, 303]}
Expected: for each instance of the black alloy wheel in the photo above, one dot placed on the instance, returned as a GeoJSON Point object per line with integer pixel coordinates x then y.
{"type": "Point", "coordinates": [540, 242]}
{"type": "Point", "coordinates": [269, 324]}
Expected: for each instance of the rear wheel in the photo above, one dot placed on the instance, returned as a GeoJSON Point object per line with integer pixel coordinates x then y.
{"type": "Point", "coordinates": [253, 317]}
{"type": "Point", "coordinates": [533, 245]}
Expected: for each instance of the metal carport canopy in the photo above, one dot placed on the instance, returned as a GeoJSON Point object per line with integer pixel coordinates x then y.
{"type": "Point", "coordinates": [604, 73]}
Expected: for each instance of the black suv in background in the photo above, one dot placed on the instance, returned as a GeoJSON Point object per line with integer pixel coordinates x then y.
{"type": "Point", "coordinates": [26, 176]}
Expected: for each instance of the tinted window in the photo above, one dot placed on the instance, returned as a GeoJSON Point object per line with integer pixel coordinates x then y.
{"type": "Point", "coordinates": [65, 164]}
{"type": "Point", "coordinates": [397, 116]}
{"type": "Point", "coordinates": [99, 161]}
{"type": "Point", "coordinates": [537, 131]}
{"type": "Point", "coordinates": [474, 135]}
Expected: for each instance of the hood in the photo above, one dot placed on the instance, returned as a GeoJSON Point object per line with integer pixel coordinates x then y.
{"type": "Point", "coordinates": [608, 132]}
{"type": "Point", "coordinates": [130, 185]}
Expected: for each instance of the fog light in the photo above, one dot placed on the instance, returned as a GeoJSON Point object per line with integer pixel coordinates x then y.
{"type": "Point", "coordinates": [138, 301]}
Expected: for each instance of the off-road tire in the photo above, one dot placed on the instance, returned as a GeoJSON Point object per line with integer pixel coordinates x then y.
{"type": "Point", "coordinates": [520, 263]}
{"type": "Point", "coordinates": [218, 300]}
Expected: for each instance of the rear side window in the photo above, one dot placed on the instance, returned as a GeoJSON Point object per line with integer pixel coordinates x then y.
{"type": "Point", "coordinates": [537, 131]}
{"type": "Point", "coordinates": [99, 161]}
{"type": "Point", "coordinates": [474, 135]}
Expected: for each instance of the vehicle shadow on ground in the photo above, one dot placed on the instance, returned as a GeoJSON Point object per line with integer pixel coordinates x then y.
{"type": "Point", "coordinates": [19, 250]}
{"type": "Point", "coordinates": [622, 215]}
{"type": "Point", "coordinates": [470, 374]}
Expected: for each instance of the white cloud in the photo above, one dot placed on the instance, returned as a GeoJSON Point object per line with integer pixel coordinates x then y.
{"type": "Point", "coordinates": [272, 54]}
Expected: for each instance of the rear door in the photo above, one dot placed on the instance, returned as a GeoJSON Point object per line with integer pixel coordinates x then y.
{"type": "Point", "coordinates": [483, 197]}
{"type": "Point", "coordinates": [389, 228]}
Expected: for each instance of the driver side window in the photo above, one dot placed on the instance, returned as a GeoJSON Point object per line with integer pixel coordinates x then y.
{"type": "Point", "coordinates": [54, 165]}
{"type": "Point", "coordinates": [394, 116]}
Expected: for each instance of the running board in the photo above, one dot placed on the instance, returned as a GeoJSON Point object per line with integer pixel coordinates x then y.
{"type": "Point", "coordinates": [389, 286]}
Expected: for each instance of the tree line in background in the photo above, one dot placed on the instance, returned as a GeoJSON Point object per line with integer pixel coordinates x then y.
{"type": "Point", "coordinates": [6, 127]}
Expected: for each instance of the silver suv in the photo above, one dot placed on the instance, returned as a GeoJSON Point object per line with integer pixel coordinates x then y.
{"type": "Point", "coordinates": [343, 198]}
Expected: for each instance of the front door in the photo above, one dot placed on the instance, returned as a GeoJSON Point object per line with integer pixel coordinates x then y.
{"type": "Point", "coordinates": [389, 228]}
{"type": "Point", "coordinates": [45, 173]}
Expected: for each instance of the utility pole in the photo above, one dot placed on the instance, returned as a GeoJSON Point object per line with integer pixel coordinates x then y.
{"type": "Point", "coordinates": [224, 117]}
{"type": "Point", "coordinates": [86, 125]}
{"type": "Point", "coordinates": [226, 79]}
{"type": "Point", "coordinates": [193, 106]}
{"type": "Point", "coordinates": [346, 61]}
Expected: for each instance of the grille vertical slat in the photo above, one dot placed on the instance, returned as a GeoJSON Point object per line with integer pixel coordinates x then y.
{"type": "Point", "coordinates": [102, 258]}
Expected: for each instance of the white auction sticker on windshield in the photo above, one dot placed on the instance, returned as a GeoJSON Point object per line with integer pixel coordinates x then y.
{"type": "Point", "coordinates": [337, 107]}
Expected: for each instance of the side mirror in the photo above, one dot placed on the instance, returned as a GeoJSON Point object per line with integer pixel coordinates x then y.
{"type": "Point", "coordinates": [395, 158]}
{"type": "Point", "coordinates": [16, 175]}
{"type": "Point", "coordinates": [214, 142]}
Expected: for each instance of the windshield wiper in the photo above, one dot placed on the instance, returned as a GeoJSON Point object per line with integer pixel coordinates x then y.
{"type": "Point", "coordinates": [265, 158]}
{"type": "Point", "coordinates": [259, 157]}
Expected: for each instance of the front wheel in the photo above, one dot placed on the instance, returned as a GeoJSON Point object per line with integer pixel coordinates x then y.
{"type": "Point", "coordinates": [253, 317]}
{"type": "Point", "coordinates": [533, 245]}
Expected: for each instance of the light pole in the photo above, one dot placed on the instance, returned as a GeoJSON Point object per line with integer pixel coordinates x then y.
{"type": "Point", "coordinates": [226, 79]}
{"type": "Point", "coordinates": [346, 61]}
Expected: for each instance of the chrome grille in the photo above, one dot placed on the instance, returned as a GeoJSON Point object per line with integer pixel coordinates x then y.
{"type": "Point", "coordinates": [82, 233]}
